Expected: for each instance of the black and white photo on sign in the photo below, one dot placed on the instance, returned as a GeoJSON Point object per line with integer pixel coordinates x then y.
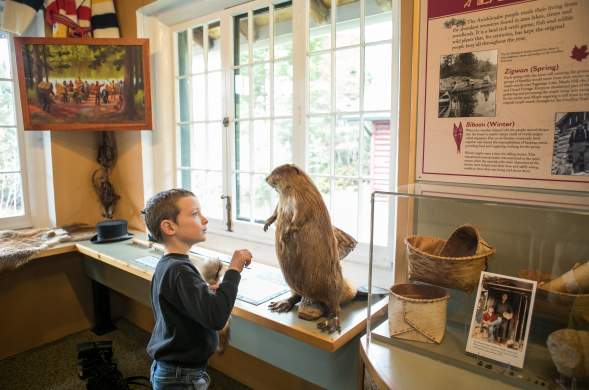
{"type": "Point", "coordinates": [467, 84]}
{"type": "Point", "coordinates": [501, 318]}
{"type": "Point", "coordinates": [570, 153]}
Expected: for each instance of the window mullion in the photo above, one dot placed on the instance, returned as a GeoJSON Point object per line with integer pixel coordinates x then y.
{"type": "Point", "coordinates": [271, 81]}
{"type": "Point", "coordinates": [227, 74]}
{"type": "Point", "coordinates": [300, 38]}
{"type": "Point", "coordinates": [250, 37]}
{"type": "Point", "coordinates": [333, 101]}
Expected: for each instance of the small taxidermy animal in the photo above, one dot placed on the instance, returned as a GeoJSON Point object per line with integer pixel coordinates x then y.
{"type": "Point", "coordinates": [212, 270]}
{"type": "Point", "coordinates": [308, 247]}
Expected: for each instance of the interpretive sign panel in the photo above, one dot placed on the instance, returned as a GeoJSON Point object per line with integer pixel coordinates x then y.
{"type": "Point", "coordinates": [504, 93]}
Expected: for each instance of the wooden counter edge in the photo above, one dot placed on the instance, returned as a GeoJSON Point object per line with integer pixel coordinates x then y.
{"type": "Point", "coordinates": [290, 330]}
{"type": "Point", "coordinates": [122, 265]}
{"type": "Point", "coordinates": [59, 249]}
{"type": "Point", "coordinates": [374, 374]}
{"type": "Point", "coordinates": [305, 335]}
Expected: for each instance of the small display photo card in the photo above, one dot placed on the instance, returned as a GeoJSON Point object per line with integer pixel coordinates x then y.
{"type": "Point", "coordinates": [501, 318]}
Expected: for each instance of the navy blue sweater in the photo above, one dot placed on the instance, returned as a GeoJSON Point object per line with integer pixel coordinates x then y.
{"type": "Point", "coordinates": [187, 315]}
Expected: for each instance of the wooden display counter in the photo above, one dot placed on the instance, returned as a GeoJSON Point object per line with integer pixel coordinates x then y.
{"type": "Point", "coordinates": [280, 339]}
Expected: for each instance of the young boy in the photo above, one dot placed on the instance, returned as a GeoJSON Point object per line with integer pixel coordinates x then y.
{"type": "Point", "coordinates": [491, 321]}
{"type": "Point", "coordinates": [187, 313]}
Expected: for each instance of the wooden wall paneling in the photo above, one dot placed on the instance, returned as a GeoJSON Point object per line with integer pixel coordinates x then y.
{"type": "Point", "coordinates": [42, 301]}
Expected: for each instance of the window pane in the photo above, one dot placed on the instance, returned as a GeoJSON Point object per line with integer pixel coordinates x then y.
{"type": "Point", "coordinates": [243, 205]}
{"type": "Point", "coordinates": [242, 147]}
{"type": "Point", "coordinates": [4, 57]}
{"type": "Point", "coordinates": [180, 179]}
{"type": "Point", "coordinates": [378, 24]}
{"type": "Point", "coordinates": [183, 146]}
{"type": "Point", "coordinates": [11, 195]}
{"type": "Point", "coordinates": [9, 160]}
{"type": "Point", "coordinates": [198, 97]}
{"type": "Point", "coordinates": [262, 201]}
{"type": "Point", "coordinates": [215, 146]}
{"type": "Point", "coordinates": [348, 24]}
{"type": "Point", "coordinates": [319, 145]}
{"type": "Point", "coordinates": [198, 147]}
{"type": "Point", "coordinates": [213, 189]}
{"type": "Point", "coordinates": [7, 117]}
{"type": "Point", "coordinates": [261, 84]}
{"type": "Point", "coordinates": [347, 95]}
{"type": "Point", "coordinates": [199, 179]}
{"type": "Point", "coordinates": [261, 38]}
{"type": "Point", "coordinates": [347, 146]}
{"type": "Point", "coordinates": [283, 30]}
{"type": "Point", "coordinates": [215, 96]}
{"type": "Point", "coordinates": [240, 40]}
{"type": "Point", "coordinates": [283, 88]}
{"type": "Point", "coordinates": [282, 142]}
{"type": "Point", "coordinates": [320, 83]}
{"type": "Point", "coordinates": [319, 25]}
{"type": "Point", "coordinates": [376, 146]}
{"type": "Point", "coordinates": [323, 184]}
{"type": "Point", "coordinates": [381, 212]}
{"type": "Point", "coordinates": [261, 129]}
{"type": "Point", "coordinates": [198, 54]}
{"type": "Point", "coordinates": [344, 212]}
{"type": "Point", "coordinates": [242, 94]}
{"type": "Point", "coordinates": [182, 40]}
{"type": "Point", "coordinates": [377, 77]}
{"type": "Point", "coordinates": [214, 57]}
{"type": "Point", "coordinates": [183, 100]}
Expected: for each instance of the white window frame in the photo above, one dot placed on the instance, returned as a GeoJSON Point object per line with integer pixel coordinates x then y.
{"type": "Point", "coordinates": [251, 231]}
{"type": "Point", "coordinates": [25, 220]}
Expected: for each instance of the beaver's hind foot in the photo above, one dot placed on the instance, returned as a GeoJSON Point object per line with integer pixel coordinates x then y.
{"type": "Point", "coordinates": [285, 305]}
{"type": "Point", "coordinates": [330, 325]}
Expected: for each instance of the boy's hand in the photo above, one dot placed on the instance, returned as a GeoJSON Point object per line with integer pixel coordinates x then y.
{"type": "Point", "coordinates": [240, 259]}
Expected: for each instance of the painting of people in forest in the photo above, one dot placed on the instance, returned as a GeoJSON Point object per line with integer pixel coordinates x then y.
{"type": "Point", "coordinates": [84, 84]}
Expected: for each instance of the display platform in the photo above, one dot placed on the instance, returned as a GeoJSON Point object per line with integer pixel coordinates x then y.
{"type": "Point", "coordinates": [510, 268]}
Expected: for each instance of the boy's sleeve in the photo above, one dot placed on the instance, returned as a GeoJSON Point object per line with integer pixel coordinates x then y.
{"type": "Point", "coordinates": [211, 310]}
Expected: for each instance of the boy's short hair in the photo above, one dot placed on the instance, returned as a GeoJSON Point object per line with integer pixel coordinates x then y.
{"type": "Point", "coordinates": [162, 206]}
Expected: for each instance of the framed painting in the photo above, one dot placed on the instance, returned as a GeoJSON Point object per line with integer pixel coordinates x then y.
{"type": "Point", "coordinates": [84, 83]}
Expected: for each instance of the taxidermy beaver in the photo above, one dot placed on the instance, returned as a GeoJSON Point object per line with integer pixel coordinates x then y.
{"type": "Point", "coordinates": [308, 248]}
{"type": "Point", "coordinates": [212, 271]}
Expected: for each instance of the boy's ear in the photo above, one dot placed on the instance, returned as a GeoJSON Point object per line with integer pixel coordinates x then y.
{"type": "Point", "coordinates": [168, 227]}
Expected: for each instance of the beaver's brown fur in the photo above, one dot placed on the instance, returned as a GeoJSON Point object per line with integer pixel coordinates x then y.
{"type": "Point", "coordinates": [306, 245]}
{"type": "Point", "coordinates": [212, 271]}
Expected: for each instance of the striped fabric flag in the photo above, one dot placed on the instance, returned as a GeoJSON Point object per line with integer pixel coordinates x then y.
{"type": "Point", "coordinates": [104, 19]}
{"type": "Point", "coordinates": [68, 18]}
{"type": "Point", "coordinates": [18, 15]}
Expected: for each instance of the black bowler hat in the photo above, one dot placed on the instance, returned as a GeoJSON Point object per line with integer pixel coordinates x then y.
{"type": "Point", "coordinates": [111, 231]}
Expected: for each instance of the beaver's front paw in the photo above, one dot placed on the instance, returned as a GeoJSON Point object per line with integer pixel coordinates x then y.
{"type": "Point", "coordinates": [330, 325]}
{"type": "Point", "coordinates": [281, 306]}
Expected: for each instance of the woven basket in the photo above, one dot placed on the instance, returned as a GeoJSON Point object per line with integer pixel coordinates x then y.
{"type": "Point", "coordinates": [456, 263]}
{"type": "Point", "coordinates": [568, 309]}
{"type": "Point", "coordinates": [418, 312]}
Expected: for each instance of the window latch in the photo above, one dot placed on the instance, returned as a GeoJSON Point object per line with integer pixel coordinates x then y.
{"type": "Point", "coordinates": [228, 211]}
{"type": "Point", "coordinates": [226, 121]}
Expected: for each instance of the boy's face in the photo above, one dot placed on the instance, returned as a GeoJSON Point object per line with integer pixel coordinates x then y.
{"type": "Point", "coordinates": [191, 225]}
